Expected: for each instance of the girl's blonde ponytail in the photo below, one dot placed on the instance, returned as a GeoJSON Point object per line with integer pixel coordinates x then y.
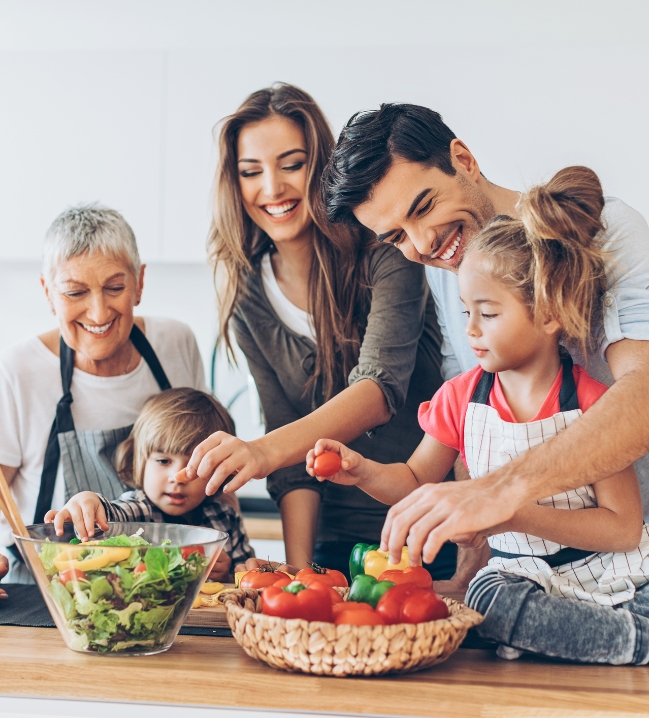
{"type": "Point", "coordinates": [551, 255]}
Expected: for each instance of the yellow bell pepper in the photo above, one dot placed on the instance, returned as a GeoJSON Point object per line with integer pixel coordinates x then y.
{"type": "Point", "coordinates": [378, 561]}
{"type": "Point", "coordinates": [109, 554]}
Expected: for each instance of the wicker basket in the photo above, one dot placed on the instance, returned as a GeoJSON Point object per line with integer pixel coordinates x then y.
{"type": "Point", "coordinates": [330, 650]}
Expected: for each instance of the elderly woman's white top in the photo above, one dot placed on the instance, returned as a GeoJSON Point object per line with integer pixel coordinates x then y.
{"type": "Point", "coordinates": [30, 389]}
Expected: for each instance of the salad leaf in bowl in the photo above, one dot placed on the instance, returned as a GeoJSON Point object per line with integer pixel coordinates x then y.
{"type": "Point", "coordinates": [127, 592]}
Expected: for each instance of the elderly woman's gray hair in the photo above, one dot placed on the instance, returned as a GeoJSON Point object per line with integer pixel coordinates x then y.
{"type": "Point", "coordinates": [88, 229]}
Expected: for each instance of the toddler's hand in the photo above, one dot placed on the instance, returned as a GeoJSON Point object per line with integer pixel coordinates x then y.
{"type": "Point", "coordinates": [351, 463]}
{"type": "Point", "coordinates": [84, 510]}
{"type": "Point", "coordinates": [221, 569]}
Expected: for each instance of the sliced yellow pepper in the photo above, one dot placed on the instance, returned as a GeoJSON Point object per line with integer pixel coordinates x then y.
{"type": "Point", "coordinates": [237, 578]}
{"type": "Point", "coordinates": [378, 561]}
{"type": "Point", "coordinates": [109, 554]}
{"type": "Point", "coordinates": [211, 587]}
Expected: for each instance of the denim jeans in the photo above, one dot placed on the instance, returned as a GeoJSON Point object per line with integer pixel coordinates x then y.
{"type": "Point", "coordinates": [519, 614]}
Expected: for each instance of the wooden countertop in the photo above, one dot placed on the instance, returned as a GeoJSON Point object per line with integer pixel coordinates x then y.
{"type": "Point", "coordinates": [210, 671]}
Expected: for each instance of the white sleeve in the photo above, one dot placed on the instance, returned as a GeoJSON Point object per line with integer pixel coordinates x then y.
{"type": "Point", "coordinates": [196, 364]}
{"type": "Point", "coordinates": [450, 365]}
{"type": "Point", "coordinates": [626, 303]}
{"type": "Point", "coordinates": [10, 447]}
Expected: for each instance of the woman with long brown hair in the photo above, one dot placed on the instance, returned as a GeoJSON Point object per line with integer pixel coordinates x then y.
{"type": "Point", "coordinates": [339, 331]}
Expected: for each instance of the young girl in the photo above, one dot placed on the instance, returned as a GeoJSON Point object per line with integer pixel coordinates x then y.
{"type": "Point", "coordinates": [171, 424]}
{"type": "Point", "coordinates": [573, 586]}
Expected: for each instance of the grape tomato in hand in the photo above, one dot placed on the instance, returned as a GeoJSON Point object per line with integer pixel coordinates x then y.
{"type": "Point", "coordinates": [326, 464]}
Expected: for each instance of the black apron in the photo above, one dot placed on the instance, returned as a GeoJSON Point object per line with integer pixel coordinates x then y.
{"type": "Point", "coordinates": [86, 456]}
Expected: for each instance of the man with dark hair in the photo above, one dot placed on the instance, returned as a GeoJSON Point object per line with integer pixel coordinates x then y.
{"type": "Point", "coordinates": [401, 172]}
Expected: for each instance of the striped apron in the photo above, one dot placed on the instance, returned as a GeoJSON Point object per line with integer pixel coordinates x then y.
{"type": "Point", "coordinates": [490, 442]}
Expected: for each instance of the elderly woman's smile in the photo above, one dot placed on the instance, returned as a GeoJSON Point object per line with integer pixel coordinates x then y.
{"type": "Point", "coordinates": [93, 296]}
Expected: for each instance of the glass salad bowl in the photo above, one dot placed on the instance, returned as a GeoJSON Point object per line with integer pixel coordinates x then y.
{"type": "Point", "coordinates": [127, 592]}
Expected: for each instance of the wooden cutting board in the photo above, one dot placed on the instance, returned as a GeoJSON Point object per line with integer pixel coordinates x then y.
{"type": "Point", "coordinates": [208, 616]}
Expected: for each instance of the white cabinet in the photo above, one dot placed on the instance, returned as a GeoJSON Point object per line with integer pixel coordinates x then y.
{"type": "Point", "coordinates": [79, 127]}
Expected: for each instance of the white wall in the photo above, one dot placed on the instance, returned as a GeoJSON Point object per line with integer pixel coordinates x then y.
{"type": "Point", "coordinates": [115, 100]}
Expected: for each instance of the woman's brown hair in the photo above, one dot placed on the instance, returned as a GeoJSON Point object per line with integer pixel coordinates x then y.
{"type": "Point", "coordinates": [551, 255]}
{"type": "Point", "coordinates": [174, 421]}
{"type": "Point", "coordinates": [338, 283]}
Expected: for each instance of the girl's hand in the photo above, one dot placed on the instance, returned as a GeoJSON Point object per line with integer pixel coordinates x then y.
{"type": "Point", "coordinates": [351, 463]}
{"type": "Point", "coordinates": [84, 510]}
{"type": "Point", "coordinates": [222, 455]}
{"type": "Point", "coordinates": [221, 569]}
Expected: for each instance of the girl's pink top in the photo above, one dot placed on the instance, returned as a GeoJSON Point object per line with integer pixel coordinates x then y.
{"type": "Point", "coordinates": [443, 416]}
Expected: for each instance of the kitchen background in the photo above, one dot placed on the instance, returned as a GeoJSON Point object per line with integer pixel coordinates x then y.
{"type": "Point", "coordinates": [115, 102]}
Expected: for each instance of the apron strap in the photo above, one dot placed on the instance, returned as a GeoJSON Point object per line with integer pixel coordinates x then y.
{"type": "Point", "coordinates": [141, 343]}
{"type": "Point", "coordinates": [63, 422]}
{"type": "Point", "coordinates": [483, 389]}
{"type": "Point", "coordinates": [568, 399]}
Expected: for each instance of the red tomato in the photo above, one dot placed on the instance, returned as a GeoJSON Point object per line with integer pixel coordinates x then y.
{"type": "Point", "coordinates": [413, 574]}
{"type": "Point", "coordinates": [424, 606]}
{"type": "Point", "coordinates": [187, 551]}
{"type": "Point", "coordinates": [327, 464]}
{"type": "Point", "coordinates": [264, 577]}
{"type": "Point", "coordinates": [72, 574]}
{"type": "Point", "coordinates": [359, 618]}
{"type": "Point", "coordinates": [140, 568]}
{"type": "Point", "coordinates": [351, 606]}
{"type": "Point", "coordinates": [401, 604]}
{"type": "Point", "coordinates": [328, 576]}
{"type": "Point", "coordinates": [310, 603]}
{"type": "Point", "coordinates": [328, 590]}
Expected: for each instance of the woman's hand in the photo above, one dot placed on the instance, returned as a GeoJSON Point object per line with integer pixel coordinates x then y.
{"type": "Point", "coordinates": [4, 568]}
{"type": "Point", "coordinates": [352, 464]}
{"type": "Point", "coordinates": [221, 455]}
{"type": "Point", "coordinates": [84, 510]}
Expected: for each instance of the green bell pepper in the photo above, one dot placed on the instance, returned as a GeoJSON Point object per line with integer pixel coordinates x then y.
{"type": "Point", "coordinates": [357, 558]}
{"type": "Point", "coordinates": [366, 589]}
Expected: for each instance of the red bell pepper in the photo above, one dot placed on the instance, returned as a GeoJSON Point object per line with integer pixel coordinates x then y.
{"type": "Point", "coordinates": [408, 603]}
{"type": "Point", "coordinates": [311, 603]}
{"type": "Point", "coordinates": [413, 574]}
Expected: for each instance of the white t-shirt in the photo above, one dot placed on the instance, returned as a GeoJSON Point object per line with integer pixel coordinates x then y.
{"type": "Point", "coordinates": [30, 389]}
{"type": "Point", "coordinates": [296, 319]}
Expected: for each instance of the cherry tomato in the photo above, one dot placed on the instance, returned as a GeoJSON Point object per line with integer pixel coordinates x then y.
{"type": "Point", "coordinates": [187, 551]}
{"type": "Point", "coordinates": [326, 464]}
{"type": "Point", "coordinates": [72, 574]}
{"type": "Point", "coordinates": [359, 618]}
{"type": "Point", "coordinates": [329, 576]}
{"type": "Point", "coordinates": [140, 568]}
{"type": "Point", "coordinates": [263, 577]}
{"type": "Point", "coordinates": [351, 606]}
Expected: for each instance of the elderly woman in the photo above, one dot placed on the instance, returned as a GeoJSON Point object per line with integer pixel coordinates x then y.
{"type": "Point", "coordinates": [70, 396]}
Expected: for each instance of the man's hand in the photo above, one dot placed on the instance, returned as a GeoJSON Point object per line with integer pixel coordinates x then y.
{"type": "Point", "coordinates": [4, 568]}
{"type": "Point", "coordinates": [435, 513]}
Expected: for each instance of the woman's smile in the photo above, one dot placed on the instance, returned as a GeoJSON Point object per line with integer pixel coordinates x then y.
{"type": "Point", "coordinates": [282, 211]}
{"type": "Point", "coordinates": [99, 330]}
